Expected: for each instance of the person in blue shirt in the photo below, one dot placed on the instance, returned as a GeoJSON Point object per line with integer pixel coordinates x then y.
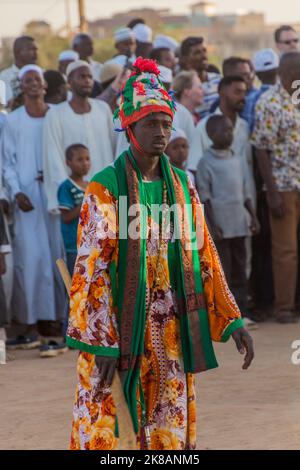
{"type": "Point", "coordinates": [266, 63]}
{"type": "Point", "coordinates": [70, 196]}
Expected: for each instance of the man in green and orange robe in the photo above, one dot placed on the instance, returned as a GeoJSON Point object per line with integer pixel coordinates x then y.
{"type": "Point", "coordinates": [148, 295]}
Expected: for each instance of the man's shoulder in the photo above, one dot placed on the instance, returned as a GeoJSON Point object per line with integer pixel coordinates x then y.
{"type": "Point", "coordinates": [15, 115]}
{"type": "Point", "coordinates": [6, 72]}
{"type": "Point", "coordinates": [55, 109]}
{"type": "Point", "coordinates": [181, 174]}
{"type": "Point", "coordinates": [100, 105]}
{"type": "Point", "coordinates": [270, 99]}
{"type": "Point", "coordinates": [107, 178]}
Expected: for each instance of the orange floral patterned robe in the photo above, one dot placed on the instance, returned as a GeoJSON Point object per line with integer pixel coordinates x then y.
{"type": "Point", "coordinates": [169, 392]}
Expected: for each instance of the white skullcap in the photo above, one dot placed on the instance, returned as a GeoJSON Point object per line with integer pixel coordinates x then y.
{"type": "Point", "coordinates": [76, 65]}
{"type": "Point", "coordinates": [142, 33]}
{"type": "Point", "coordinates": [265, 60]}
{"type": "Point", "coordinates": [122, 34]}
{"type": "Point", "coordinates": [2, 93]}
{"type": "Point", "coordinates": [30, 68]}
{"type": "Point", "coordinates": [68, 55]}
{"type": "Point", "coordinates": [166, 42]}
{"type": "Point", "coordinates": [177, 134]}
{"type": "Point", "coordinates": [166, 74]}
{"type": "Point", "coordinates": [110, 70]}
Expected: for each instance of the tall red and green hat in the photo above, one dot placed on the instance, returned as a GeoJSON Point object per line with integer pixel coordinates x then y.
{"type": "Point", "coordinates": [143, 94]}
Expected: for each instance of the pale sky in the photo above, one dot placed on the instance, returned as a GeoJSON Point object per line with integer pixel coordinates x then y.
{"type": "Point", "coordinates": [15, 13]}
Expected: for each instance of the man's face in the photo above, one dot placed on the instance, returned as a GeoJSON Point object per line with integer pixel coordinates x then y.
{"type": "Point", "coordinates": [234, 96]}
{"type": "Point", "coordinates": [33, 85]}
{"type": "Point", "coordinates": [85, 48]}
{"type": "Point", "coordinates": [81, 81]}
{"type": "Point", "coordinates": [243, 70]}
{"type": "Point", "coordinates": [127, 47]}
{"type": "Point", "coordinates": [178, 151]}
{"type": "Point", "coordinates": [289, 42]}
{"type": "Point", "coordinates": [168, 59]}
{"type": "Point", "coordinates": [28, 53]}
{"type": "Point", "coordinates": [197, 58]}
{"type": "Point", "coordinates": [153, 133]}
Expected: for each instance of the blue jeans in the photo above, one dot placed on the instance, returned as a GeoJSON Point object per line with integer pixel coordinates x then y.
{"type": "Point", "coordinates": [71, 259]}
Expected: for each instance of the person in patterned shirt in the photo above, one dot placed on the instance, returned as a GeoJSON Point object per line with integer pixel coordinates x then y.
{"type": "Point", "coordinates": [276, 137]}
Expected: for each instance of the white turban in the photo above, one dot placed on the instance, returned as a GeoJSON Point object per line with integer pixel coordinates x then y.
{"type": "Point", "coordinates": [68, 55]}
{"type": "Point", "coordinates": [177, 134]}
{"type": "Point", "coordinates": [142, 33]}
{"type": "Point", "coordinates": [122, 34]}
{"type": "Point", "coordinates": [30, 68]}
{"type": "Point", "coordinates": [166, 42]}
{"type": "Point", "coordinates": [76, 65]}
{"type": "Point", "coordinates": [166, 74]}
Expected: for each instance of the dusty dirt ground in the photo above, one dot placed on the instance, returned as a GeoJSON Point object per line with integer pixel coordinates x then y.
{"type": "Point", "coordinates": [255, 409]}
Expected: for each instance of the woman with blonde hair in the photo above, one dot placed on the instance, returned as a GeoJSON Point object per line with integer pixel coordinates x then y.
{"type": "Point", "coordinates": [189, 92]}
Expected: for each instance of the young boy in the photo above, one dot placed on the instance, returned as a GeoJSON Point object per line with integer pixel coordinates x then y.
{"type": "Point", "coordinates": [178, 149]}
{"type": "Point", "coordinates": [70, 196]}
{"type": "Point", "coordinates": [4, 249]}
{"type": "Point", "coordinates": [223, 188]}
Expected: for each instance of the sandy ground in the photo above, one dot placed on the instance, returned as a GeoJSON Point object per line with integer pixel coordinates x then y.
{"type": "Point", "coordinates": [257, 409]}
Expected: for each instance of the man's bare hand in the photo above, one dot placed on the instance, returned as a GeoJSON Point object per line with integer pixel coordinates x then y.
{"type": "Point", "coordinates": [244, 343]}
{"type": "Point", "coordinates": [107, 367]}
{"type": "Point", "coordinates": [276, 204]}
{"type": "Point", "coordinates": [2, 264]}
{"type": "Point", "coordinates": [24, 202]}
{"type": "Point", "coordinates": [4, 204]}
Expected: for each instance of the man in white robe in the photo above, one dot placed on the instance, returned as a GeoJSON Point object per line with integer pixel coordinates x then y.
{"type": "Point", "coordinates": [25, 52]}
{"type": "Point", "coordinates": [84, 46]}
{"type": "Point", "coordinates": [37, 242]}
{"type": "Point", "coordinates": [82, 120]}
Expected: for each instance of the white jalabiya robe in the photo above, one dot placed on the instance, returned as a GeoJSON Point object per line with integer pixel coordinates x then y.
{"type": "Point", "coordinates": [7, 278]}
{"type": "Point", "coordinates": [10, 77]}
{"type": "Point", "coordinates": [63, 127]}
{"type": "Point", "coordinates": [38, 292]}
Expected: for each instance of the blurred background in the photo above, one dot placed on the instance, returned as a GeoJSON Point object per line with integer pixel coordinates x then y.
{"type": "Point", "coordinates": [231, 27]}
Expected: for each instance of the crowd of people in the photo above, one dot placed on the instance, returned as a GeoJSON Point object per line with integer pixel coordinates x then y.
{"type": "Point", "coordinates": [236, 132]}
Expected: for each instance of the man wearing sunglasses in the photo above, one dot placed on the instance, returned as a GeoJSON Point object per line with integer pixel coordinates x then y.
{"type": "Point", "coordinates": [287, 39]}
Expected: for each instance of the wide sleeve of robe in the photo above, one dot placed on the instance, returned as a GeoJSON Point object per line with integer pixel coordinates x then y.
{"type": "Point", "coordinates": [93, 324]}
{"type": "Point", "coordinates": [9, 160]}
{"type": "Point", "coordinates": [223, 313]}
{"type": "Point", "coordinates": [55, 171]}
